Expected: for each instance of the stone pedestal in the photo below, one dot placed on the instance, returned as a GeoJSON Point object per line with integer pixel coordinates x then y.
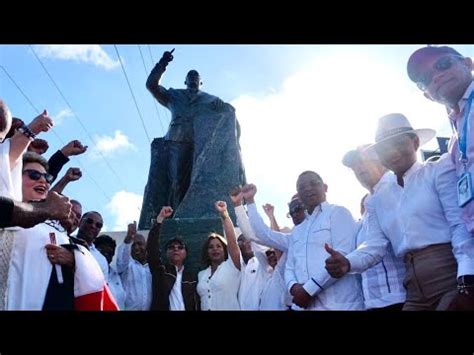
{"type": "Point", "coordinates": [217, 168]}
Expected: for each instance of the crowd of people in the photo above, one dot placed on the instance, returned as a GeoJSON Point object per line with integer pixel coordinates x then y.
{"type": "Point", "coordinates": [411, 249]}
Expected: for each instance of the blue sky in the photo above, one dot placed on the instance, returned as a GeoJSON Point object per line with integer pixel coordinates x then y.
{"type": "Point", "coordinates": [300, 108]}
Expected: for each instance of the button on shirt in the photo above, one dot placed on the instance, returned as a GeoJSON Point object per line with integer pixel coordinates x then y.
{"type": "Point", "coordinates": [457, 120]}
{"type": "Point", "coordinates": [427, 213]}
{"type": "Point", "coordinates": [136, 278]}
{"type": "Point", "coordinates": [335, 226]}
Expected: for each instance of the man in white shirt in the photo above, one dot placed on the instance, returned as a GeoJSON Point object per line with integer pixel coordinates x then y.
{"type": "Point", "coordinates": [306, 278]}
{"type": "Point", "coordinates": [382, 284]}
{"type": "Point", "coordinates": [433, 239]}
{"type": "Point", "coordinates": [89, 228]}
{"type": "Point", "coordinates": [274, 295]}
{"type": "Point", "coordinates": [106, 245]}
{"type": "Point", "coordinates": [445, 76]}
{"type": "Point", "coordinates": [254, 272]}
{"type": "Point", "coordinates": [133, 267]}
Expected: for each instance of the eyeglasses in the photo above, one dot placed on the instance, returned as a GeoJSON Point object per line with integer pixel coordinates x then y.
{"type": "Point", "coordinates": [270, 252]}
{"type": "Point", "coordinates": [91, 221]}
{"type": "Point", "coordinates": [295, 210]}
{"type": "Point", "coordinates": [175, 246]}
{"type": "Point", "coordinates": [442, 64]}
{"type": "Point", "coordinates": [36, 175]}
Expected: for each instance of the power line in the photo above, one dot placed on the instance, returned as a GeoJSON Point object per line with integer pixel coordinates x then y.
{"type": "Point", "coordinates": [151, 56]}
{"type": "Point", "coordinates": [29, 101]}
{"type": "Point", "coordinates": [55, 133]}
{"type": "Point", "coordinates": [77, 117]}
{"type": "Point", "coordinates": [154, 101]}
{"type": "Point", "coordinates": [18, 87]}
{"type": "Point", "coordinates": [133, 96]}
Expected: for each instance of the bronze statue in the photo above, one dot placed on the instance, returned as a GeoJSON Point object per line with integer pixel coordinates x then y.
{"type": "Point", "coordinates": [184, 105]}
{"type": "Point", "coordinates": [198, 160]}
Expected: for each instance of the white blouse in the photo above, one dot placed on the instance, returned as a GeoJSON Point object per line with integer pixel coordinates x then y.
{"type": "Point", "coordinates": [219, 291]}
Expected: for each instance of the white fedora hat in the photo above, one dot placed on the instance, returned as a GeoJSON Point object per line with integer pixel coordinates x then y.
{"type": "Point", "coordinates": [358, 154]}
{"type": "Point", "coordinates": [396, 124]}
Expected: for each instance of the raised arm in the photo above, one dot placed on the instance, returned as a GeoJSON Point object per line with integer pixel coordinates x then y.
{"type": "Point", "coordinates": [153, 81]}
{"type": "Point", "coordinates": [244, 225]}
{"type": "Point", "coordinates": [153, 242]}
{"type": "Point", "coordinates": [232, 246]}
{"type": "Point", "coordinates": [270, 212]}
{"type": "Point", "coordinates": [263, 233]}
{"type": "Point", "coordinates": [61, 157]}
{"type": "Point", "coordinates": [26, 134]}
{"type": "Point", "coordinates": [124, 249]}
{"type": "Point", "coordinates": [72, 174]}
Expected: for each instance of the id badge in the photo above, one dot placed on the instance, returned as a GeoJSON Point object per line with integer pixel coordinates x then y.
{"type": "Point", "coordinates": [52, 238]}
{"type": "Point", "coordinates": [464, 189]}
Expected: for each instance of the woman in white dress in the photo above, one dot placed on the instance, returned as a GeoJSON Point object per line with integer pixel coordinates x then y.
{"type": "Point", "coordinates": [44, 267]}
{"type": "Point", "coordinates": [218, 284]}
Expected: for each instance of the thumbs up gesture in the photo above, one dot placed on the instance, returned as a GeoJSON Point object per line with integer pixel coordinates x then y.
{"type": "Point", "coordinates": [337, 264]}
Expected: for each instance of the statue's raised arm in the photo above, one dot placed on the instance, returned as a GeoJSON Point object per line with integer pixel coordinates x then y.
{"type": "Point", "coordinates": [153, 81]}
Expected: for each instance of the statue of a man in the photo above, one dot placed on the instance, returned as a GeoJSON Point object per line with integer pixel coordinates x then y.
{"type": "Point", "coordinates": [185, 105]}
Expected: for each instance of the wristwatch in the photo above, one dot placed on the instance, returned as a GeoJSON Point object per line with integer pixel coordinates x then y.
{"type": "Point", "coordinates": [466, 284]}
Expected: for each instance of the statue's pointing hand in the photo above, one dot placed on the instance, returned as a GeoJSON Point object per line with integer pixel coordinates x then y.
{"type": "Point", "coordinates": [167, 57]}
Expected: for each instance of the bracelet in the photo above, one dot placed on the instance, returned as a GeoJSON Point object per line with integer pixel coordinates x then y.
{"type": "Point", "coordinates": [27, 132]}
{"type": "Point", "coordinates": [225, 215]}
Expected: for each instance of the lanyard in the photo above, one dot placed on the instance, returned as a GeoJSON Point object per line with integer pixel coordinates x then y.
{"type": "Point", "coordinates": [465, 129]}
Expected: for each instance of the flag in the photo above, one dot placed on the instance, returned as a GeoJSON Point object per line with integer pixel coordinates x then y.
{"type": "Point", "coordinates": [91, 292]}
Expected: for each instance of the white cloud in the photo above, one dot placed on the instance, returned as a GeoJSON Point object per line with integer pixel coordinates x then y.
{"type": "Point", "coordinates": [107, 145]}
{"type": "Point", "coordinates": [80, 53]}
{"type": "Point", "coordinates": [125, 207]}
{"type": "Point", "coordinates": [318, 114]}
{"type": "Point", "coordinates": [59, 118]}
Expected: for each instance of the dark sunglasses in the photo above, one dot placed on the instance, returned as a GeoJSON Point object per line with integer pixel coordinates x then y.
{"type": "Point", "coordinates": [296, 209]}
{"type": "Point", "coordinates": [270, 252]}
{"type": "Point", "coordinates": [36, 175]}
{"type": "Point", "coordinates": [175, 246]}
{"type": "Point", "coordinates": [91, 221]}
{"type": "Point", "coordinates": [442, 64]}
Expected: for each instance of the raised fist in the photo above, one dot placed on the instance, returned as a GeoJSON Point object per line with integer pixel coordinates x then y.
{"type": "Point", "coordinates": [73, 174]}
{"type": "Point", "coordinates": [165, 212]}
{"type": "Point", "coordinates": [74, 147]}
{"type": "Point", "coordinates": [39, 146]}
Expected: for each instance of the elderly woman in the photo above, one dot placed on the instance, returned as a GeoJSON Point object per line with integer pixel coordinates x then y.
{"type": "Point", "coordinates": [46, 271]}
{"type": "Point", "coordinates": [218, 284]}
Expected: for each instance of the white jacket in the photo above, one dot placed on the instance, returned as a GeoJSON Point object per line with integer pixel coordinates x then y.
{"type": "Point", "coordinates": [335, 226]}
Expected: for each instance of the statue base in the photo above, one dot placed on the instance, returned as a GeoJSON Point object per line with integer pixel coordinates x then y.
{"type": "Point", "coordinates": [194, 232]}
